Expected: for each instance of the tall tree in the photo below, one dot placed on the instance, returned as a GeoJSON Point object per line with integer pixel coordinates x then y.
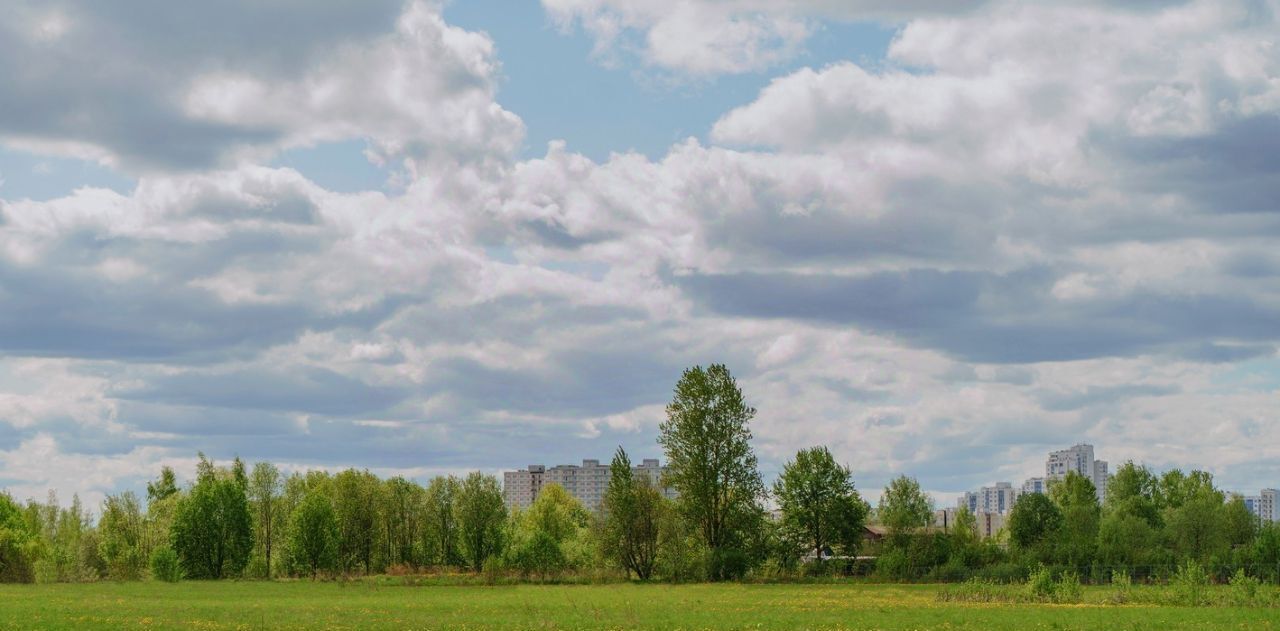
{"type": "Point", "coordinates": [213, 528]}
{"type": "Point", "coordinates": [402, 519]}
{"type": "Point", "coordinates": [355, 504]}
{"type": "Point", "coordinates": [632, 518]}
{"type": "Point", "coordinates": [121, 532]}
{"type": "Point", "coordinates": [1134, 490]}
{"type": "Point", "coordinates": [711, 463]}
{"type": "Point", "coordinates": [481, 514]}
{"type": "Point", "coordinates": [313, 534]}
{"type": "Point", "coordinates": [440, 527]}
{"type": "Point", "coordinates": [19, 543]}
{"type": "Point", "coordinates": [818, 499]}
{"type": "Point", "coordinates": [1033, 524]}
{"type": "Point", "coordinates": [162, 487]}
{"type": "Point", "coordinates": [1239, 523]}
{"type": "Point", "coordinates": [265, 488]}
{"type": "Point", "coordinates": [904, 509]}
{"type": "Point", "coordinates": [1077, 498]}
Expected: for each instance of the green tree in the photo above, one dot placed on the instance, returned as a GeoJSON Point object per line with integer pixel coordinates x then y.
{"type": "Point", "coordinates": [19, 544]}
{"type": "Point", "coordinates": [1033, 523]}
{"type": "Point", "coordinates": [1196, 528]}
{"type": "Point", "coordinates": [711, 464]}
{"type": "Point", "coordinates": [818, 499]}
{"type": "Point", "coordinates": [356, 506]}
{"type": "Point", "coordinates": [440, 522]}
{"type": "Point", "coordinates": [402, 520]}
{"type": "Point", "coordinates": [162, 487]}
{"type": "Point", "coordinates": [632, 517]}
{"type": "Point", "coordinates": [121, 536]}
{"type": "Point", "coordinates": [1240, 525]}
{"type": "Point", "coordinates": [313, 534]}
{"type": "Point", "coordinates": [1134, 490]}
{"type": "Point", "coordinates": [1126, 541]}
{"type": "Point", "coordinates": [542, 532]}
{"type": "Point", "coordinates": [481, 514]}
{"type": "Point", "coordinates": [1077, 498]}
{"type": "Point", "coordinates": [212, 526]}
{"type": "Point", "coordinates": [265, 489]}
{"type": "Point", "coordinates": [904, 509]}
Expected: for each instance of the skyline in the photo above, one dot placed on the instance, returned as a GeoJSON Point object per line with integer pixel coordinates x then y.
{"type": "Point", "coordinates": [422, 237]}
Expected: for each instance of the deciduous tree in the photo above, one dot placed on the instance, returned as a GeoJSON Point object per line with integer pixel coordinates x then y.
{"type": "Point", "coordinates": [711, 464]}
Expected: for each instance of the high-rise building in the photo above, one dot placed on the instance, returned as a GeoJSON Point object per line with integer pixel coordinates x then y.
{"type": "Point", "coordinates": [1263, 505]}
{"type": "Point", "coordinates": [1078, 458]}
{"type": "Point", "coordinates": [997, 499]}
{"type": "Point", "coordinates": [587, 483]}
{"type": "Point", "coordinates": [1035, 485]}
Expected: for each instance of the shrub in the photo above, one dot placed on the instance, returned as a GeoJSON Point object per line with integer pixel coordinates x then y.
{"type": "Point", "coordinates": [975, 590]}
{"type": "Point", "coordinates": [1002, 573]}
{"type": "Point", "coordinates": [165, 566]}
{"type": "Point", "coordinates": [1244, 589]}
{"type": "Point", "coordinates": [1122, 587]}
{"type": "Point", "coordinates": [1068, 589]}
{"type": "Point", "coordinates": [1190, 585]}
{"type": "Point", "coordinates": [1040, 585]}
{"type": "Point", "coordinates": [894, 566]}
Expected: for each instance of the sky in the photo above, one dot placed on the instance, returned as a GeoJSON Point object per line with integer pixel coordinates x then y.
{"type": "Point", "coordinates": [940, 237]}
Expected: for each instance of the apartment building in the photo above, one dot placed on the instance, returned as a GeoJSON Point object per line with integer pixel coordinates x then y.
{"type": "Point", "coordinates": [586, 482]}
{"type": "Point", "coordinates": [1263, 505]}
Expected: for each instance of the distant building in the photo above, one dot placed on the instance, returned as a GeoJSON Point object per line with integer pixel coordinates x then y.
{"type": "Point", "coordinates": [1078, 458]}
{"type": "Point", "coordinates": [1263, 505]}
{"type": "Point", "coordinates": [1034, 485]}
{"type": "Point", "coordinates": [997, 499]}
{"type": "Point", "coordinates": [988, 524]}
{"type": "Point", "coordinates": [587, 483]}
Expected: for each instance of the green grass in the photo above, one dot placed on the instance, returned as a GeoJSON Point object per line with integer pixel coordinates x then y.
{"type": "Point", "coordinates": [386, 604]}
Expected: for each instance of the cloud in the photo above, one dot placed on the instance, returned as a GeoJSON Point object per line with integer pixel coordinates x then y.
{"type": "Point", "coordinates": [990, 246]}
{"type": "Point", "coordinates": [224, 83]}
{"type": "Point", "coordinates": [709, 37]}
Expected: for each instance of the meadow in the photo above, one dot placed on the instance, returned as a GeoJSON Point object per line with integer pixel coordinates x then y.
{"type": "Point", "coordinates": [389, 603]}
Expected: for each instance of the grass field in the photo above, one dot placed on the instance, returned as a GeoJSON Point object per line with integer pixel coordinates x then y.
{"type": "Point", "coordinates": [388, 605]}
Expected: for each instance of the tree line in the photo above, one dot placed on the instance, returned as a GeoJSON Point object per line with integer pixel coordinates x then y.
{"type": "Point", "coordinates": [234, 521]}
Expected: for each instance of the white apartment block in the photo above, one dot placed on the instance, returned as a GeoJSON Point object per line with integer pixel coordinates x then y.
{"type": "Point", "coordinates": [587, 483]}
{"type": "Point", "coordinates": [1263, 505]}
{"type": "Point", "coordinates": [1078, 458]}
{"type": "Point", "coordinates": [997, 499]}
{"type": "Point", "coordinates": [1035, 485]}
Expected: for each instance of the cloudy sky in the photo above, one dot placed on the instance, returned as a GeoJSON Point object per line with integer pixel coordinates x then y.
{"type": "Point", "coordinates": [941, 237]}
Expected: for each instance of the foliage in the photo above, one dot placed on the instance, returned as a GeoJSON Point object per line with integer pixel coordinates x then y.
{"type": "Point", "coordinates": [19, 544]}
{"type": "Point", "coordinates": [265, 489]}
{"type": "Point", "coordinates": [440, 522]}
{"type": "Point", "coordinates": [355, 497]}
{"type": "Point", "coordinates": [1077, 539]}
{"type": "Point", "coordinates": [818, 500]}
{"type": "Point", "coordinates": [1033, 523]}
{"type": "Point", "coordinates": [632, 517]}
{"type": "Point", "coordinates": [481, 515]}
{"type": "Point", "coordinates": [1190, 585]}
{"type": "Point", "coordinates": [542, 534]}
{"type": "Point", "coordinates": [904, 509]}
{"type": "Point", "coordinates": [711, 463]}
{"type": "Point", "coordinates": [121, 535]}
{"type": "Point", "coordinates": [165, 566]}
{"type": "Point", "coordinates": [212, 528]}
{"type": "Point", "coordinates": [313, 535]}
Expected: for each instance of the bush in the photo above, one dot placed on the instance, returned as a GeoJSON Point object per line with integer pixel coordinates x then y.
{"type": "Point", "coordinates": [975, 590]}
{"type": "Point", "coordinates": [953, 571]}
{"type": "Point", "coordinates": [1068, 589]}
{"type": "Point", "coordinates": [1244, 589]}
{"type": "Point", "coordinates": [165, 566]}
{"type": "Point", "coordinates": [1190, 585]}
{"type": "Point", "coordinates": [1002, 573]}
{"type": "Point", "coordinates": [893, 566]}
{"type": "Point", "coordinates": [1040, 585]}
{"type": "Point", "coordinates": [1122, 587]}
